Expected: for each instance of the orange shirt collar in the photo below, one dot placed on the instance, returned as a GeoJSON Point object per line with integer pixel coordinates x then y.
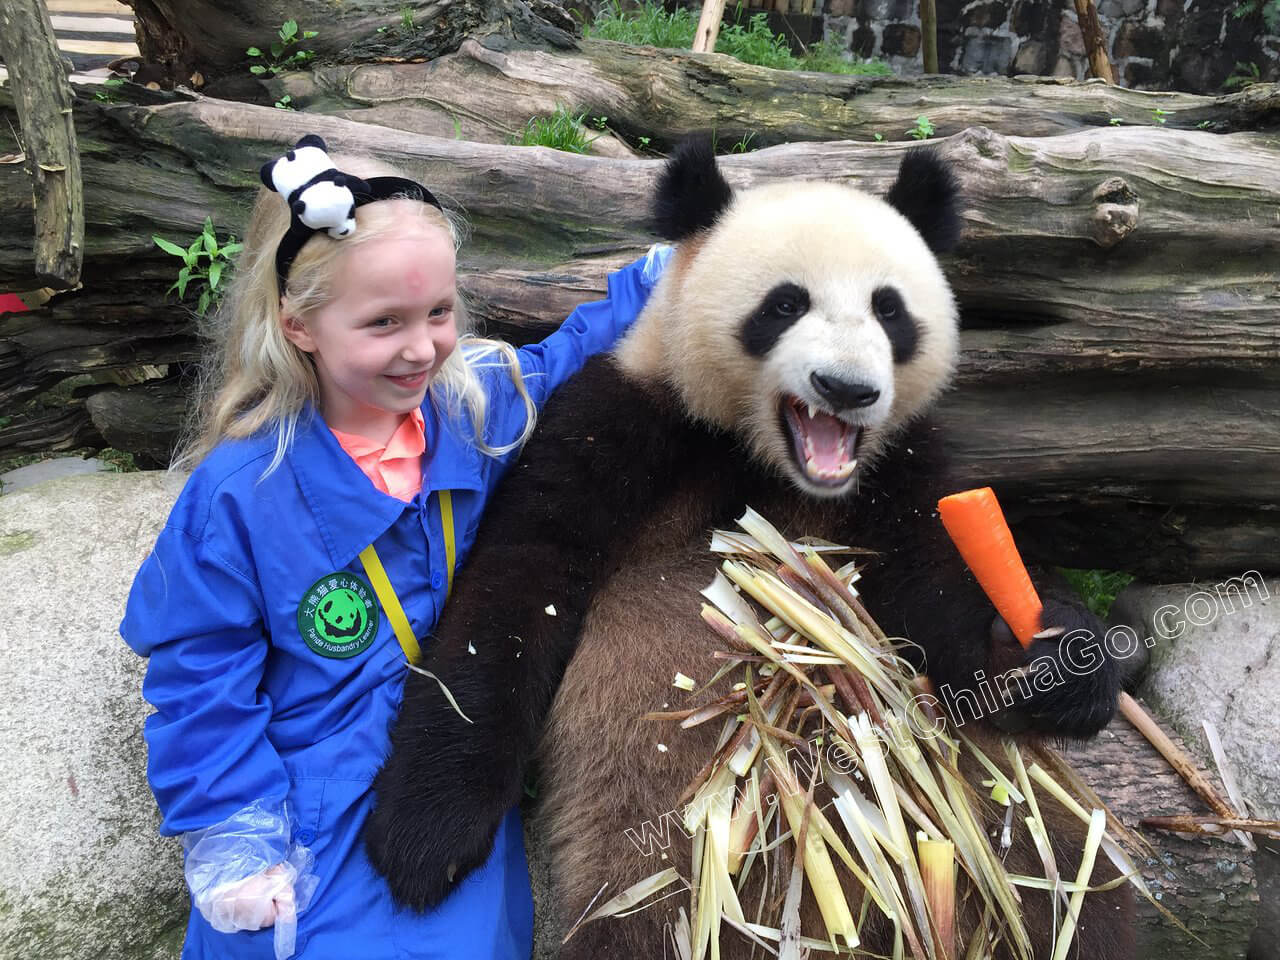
{"type": "Point", "coordinates": [396, 468]}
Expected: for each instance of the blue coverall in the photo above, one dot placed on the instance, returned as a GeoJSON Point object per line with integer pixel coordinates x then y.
{"type": "Point", "coordinates": [246, 711]}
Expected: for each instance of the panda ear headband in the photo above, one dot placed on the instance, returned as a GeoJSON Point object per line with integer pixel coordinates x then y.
{"type": "Point", "coordinates": [321, 197]}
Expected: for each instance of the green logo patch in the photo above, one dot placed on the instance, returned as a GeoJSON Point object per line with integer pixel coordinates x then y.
{"type": "Point", "coordinates": [338, 615]}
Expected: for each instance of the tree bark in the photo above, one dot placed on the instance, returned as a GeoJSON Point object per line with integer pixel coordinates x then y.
{"type": "Point", "coordinates": [1208, 884]}
{"type": "Point", "coordinates": [43, 102]}
{"type": "Point", "coordinates": [210, 36]}
{"type": "Point", "coordinates": [1115, 283]}
{"type": "Point", "coordinates": [485, 94]}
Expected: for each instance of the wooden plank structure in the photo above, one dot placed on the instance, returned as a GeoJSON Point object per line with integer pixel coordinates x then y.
{"type": "Point", "coordinates": [90, 34]}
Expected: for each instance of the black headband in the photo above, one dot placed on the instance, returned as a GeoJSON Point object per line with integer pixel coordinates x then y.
{"type": "Point", "coordinates": [321, 197]}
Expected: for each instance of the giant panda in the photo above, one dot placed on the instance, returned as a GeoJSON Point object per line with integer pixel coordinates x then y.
{"type": "Point", "coordinates": [786, 360]}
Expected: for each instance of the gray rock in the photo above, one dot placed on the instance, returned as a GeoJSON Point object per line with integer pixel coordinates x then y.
{"type": "Point", "coordinates": [86, 874]}
{"type": "Point", "coordinates": [1215, 656]}
{"type": "Point", "coordinates": [987, 53]}
{"type": "Point", "coordinates": [34, 473]}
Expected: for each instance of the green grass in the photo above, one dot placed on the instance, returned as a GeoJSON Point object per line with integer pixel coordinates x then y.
{"type": "Point", "coordinates": [560, 131]}
{"type": "Point", "coordinates": [1098, 587]}
{"type": "Point", "coordinates": [825, 57]}
{"type": "Point", "coordinates": [754, 43]}
{"type": "Point", "coordinates": [650, 25]}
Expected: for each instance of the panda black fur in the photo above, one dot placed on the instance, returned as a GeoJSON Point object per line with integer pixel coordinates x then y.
{"type": "Point", "coordinates": [779, 305]}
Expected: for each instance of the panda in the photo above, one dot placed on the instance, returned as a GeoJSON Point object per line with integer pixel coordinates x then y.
{"type": "Point", "coordinates": [786, 360]}
{"type": "Point", "coordinates": [319, 196]}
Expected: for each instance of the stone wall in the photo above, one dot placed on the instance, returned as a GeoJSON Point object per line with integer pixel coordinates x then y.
{"type": "Point", "coordinates": [1191, 45]}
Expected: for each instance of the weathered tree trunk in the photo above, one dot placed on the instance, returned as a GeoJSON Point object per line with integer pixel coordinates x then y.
{"type": "Point", "coordinates": [1209, 885]}
{"type": "Point", "coordinates": [486, 94]}
{"type": "Point", "coordinates": [43, 102]}
{"type": "Point", "coordinates": [210, 37]}
{"type": "Point", "coordinates": [1116, 283]}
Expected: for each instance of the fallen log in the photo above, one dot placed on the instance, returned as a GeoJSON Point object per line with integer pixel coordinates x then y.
{"type": "Point", "coordinates": [206, 40]}
{"type": "Point", "coordinates": [1117, 286]}
{"type": "Point", "coordinates": [485, 94]}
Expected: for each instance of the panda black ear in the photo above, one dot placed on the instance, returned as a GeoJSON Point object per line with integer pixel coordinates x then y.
{"type": "Point", "coordinates": [265, 174]}
{"type": "Point", "coordinates": [928, 194]}
{"type": "Point", "coordinates": [311, 140]}
{"type": "Point", "coordinates": [691, 192]}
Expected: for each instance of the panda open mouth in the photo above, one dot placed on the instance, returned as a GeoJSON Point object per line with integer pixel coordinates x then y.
{"type": "Point", "coordinates": [825, 447]}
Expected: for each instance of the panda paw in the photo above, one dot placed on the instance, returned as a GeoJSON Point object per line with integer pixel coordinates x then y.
{"type": "Point", "coordinates": [425, 854]}
{"type": "Point", "coordinates": [1068, 683]}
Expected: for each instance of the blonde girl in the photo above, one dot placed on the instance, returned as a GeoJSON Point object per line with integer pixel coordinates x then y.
{"type": "Point", "coordinates": [349, 431]}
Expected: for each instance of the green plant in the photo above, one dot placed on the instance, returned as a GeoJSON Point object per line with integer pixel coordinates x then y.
{"type": "Point", "coordinates": [560, 131]}
{"type": "Point", "coordinates": [1243, 75]}
{"type": "Point", "coordinates": [110, 90]}
{"type": "Point", "coordinates": [600, 123]}
{"type": "Point", "coordinates": [1159, 115]}
{"type": "Point", "coordinates": [643, 141]}
{"type": "Point", "coordinates": [878, 137]}
{"type": "Point", "coordinates": [649, 24]}
{"type": "Point", "coordinates": [828, 57]}
{"type": "Point", "coordinates": [1270, 10]}
{"type": "Point", "coordinates": [756, 43]}
{"type": "Point", "coordinates": [923, 129]}
{"type": "Point", "coordinates": [1115, 121]}
{"type": "Point", "coordinates": [217, 263]}
{"type": "Point", "coordinates": [743, 145]}
{"type": "Point", "coordinates": [406, 20]}
{"type": "Point", "coordinates": [1098, 587]}
{"type": "Point", "coordinates": [285, 103]}
{"type": "Point", "coordinates": [274, 60]}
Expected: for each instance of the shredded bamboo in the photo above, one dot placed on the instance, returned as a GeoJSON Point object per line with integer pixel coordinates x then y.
{"type": "Point", "coordinates": [878, 801]}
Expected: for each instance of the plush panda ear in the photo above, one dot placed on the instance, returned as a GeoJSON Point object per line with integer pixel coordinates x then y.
{"type": "Point", "coordinates": [311, 140]}
{"type": "Point", "coordinates": [691, 192]}
{"type": "Point", "coordinates": [927, 193]}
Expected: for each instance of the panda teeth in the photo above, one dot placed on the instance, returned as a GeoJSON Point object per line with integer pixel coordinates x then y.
{"type": "Point", "coordinates": [813, 411]}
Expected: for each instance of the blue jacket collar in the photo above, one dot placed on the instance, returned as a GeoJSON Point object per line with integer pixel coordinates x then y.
{"type": "Point", "coordinates": [350, 512]}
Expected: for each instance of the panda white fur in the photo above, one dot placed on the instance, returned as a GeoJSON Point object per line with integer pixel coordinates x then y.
{"type": "Point", "coordinates": [799, 327]}
{"type": "Point", "coordinates": [319, 195]}
{"type": "Point", "coordinates": [302, 164]}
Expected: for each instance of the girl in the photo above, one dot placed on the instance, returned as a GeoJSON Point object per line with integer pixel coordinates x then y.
{"type": "Point", "coordinates": [348, 438]}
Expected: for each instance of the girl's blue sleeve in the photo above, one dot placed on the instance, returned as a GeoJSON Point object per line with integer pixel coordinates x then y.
{"type": "Point", "coordinates": [592, 328]}
{"type": "Point", "coordinates": [199, 620]}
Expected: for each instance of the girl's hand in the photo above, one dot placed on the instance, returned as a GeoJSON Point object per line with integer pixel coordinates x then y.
{"type": "Point", "coordinates": [252, 903]}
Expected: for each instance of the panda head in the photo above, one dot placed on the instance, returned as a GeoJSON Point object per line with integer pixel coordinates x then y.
{"type": "Point", "coordinates": [303, 163]}
{"type": "Point", "coordinates": [810, 319]}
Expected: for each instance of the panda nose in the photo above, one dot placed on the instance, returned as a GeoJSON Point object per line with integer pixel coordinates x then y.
{"type": "Point", "coordinates": [841, 394]}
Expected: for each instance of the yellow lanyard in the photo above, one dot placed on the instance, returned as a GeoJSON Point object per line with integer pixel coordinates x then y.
{"type": "Point", "coordinates": [386, 593]}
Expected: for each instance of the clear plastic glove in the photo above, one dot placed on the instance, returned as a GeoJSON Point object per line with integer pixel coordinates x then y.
{"type": "Point", "coordinates": [655, 261]}
{"type": "Point", "coordinates": [239, 879]}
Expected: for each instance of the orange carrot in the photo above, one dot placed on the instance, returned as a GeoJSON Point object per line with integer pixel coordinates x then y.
{"type": "Point", "coordinates": [977, 526]}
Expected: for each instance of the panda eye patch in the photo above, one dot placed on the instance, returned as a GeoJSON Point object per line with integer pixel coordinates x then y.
{"type": "Point", "coordinates": [887, 303]}
{"type": "Point", "coordinates": [781, 307]}
{"type": "Point", "coordinates": [898, 324]}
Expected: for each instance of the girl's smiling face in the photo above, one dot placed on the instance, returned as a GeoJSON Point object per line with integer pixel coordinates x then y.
{"type": "Point", "coordinates": [385, 330]}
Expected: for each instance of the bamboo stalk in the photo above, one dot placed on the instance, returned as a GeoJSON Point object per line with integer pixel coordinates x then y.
{"type": "Point", "coordinates": [704, 40]}
{"type": "Point", "coordinates": [929, 34]}
{"type": "Point", "coordinates": [1095, 43]}
{"type": "Point", "coordinates": [1213, 826]}
{"type": "Point", "coordinates": [1177, 758]}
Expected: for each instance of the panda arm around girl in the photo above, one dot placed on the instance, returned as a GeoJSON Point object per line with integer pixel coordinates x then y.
{"type": "Point", "coordinates": [509, 627]}
{"type": "Point", "coordinates": [785, 340]}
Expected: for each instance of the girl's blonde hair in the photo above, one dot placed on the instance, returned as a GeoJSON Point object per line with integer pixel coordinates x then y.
{"type": "Point", "coordinates": [254, 379]}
